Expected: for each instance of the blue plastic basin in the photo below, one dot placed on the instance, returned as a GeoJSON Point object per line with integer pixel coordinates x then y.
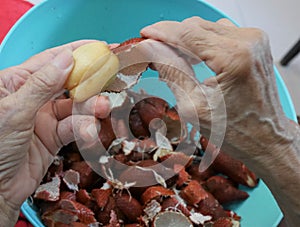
{"type": "Point", "coordinates": [56, 22]}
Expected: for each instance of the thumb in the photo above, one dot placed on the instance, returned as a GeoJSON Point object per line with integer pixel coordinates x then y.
{"type": "Point", "coordinates": [45, 83]}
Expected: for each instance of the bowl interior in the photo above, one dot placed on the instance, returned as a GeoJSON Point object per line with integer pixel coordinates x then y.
{"type": "Point", "coordinates": [56, 22]}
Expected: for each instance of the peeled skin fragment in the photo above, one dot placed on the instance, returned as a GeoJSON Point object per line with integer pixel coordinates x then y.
{"type": "Point", "coordinates": [94, 69]}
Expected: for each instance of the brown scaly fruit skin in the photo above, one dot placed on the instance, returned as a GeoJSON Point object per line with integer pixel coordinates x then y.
{"type": "Point", "coordinates": [132, 41]}
{"type": "Point", "coordinates": [154, 192]}
{"type": "Point", "coordinates": [129, 70]}
{"type": "Point", "coordinates": [129, 206]}
{"type": "Point", "coordinates": [83, 213]}
{"type": "Point", "coordinates": [128, 42]}
{"type": "Point", "coordinates": [92, 202]}
{"type": "Point", "coordinates": [224, 190]}
{"type": "Point", "coordinates": [231, 167]}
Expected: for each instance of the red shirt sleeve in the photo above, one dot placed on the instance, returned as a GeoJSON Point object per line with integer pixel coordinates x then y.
{"type": "Point", "coordinates": [10, 12]}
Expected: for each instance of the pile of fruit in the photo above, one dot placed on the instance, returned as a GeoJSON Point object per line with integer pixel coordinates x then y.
{"type": "Point", "coordinates": [145, 173]}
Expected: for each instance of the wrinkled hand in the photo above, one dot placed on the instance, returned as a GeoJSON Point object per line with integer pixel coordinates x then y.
{"type": "Point", "coordinates": [243, 94]}
{"type": "Point", "coordinates": [34, 125]}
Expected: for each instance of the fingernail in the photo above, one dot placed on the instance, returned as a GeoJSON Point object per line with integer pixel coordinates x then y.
{"type": "Point", "coordinates": [102, 107]}
{"type": "Point", "coordinates": [64, 60]}
{"type": "Point", "coordinates": [148, 30]}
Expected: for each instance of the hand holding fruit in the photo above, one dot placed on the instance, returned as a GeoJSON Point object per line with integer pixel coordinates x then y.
{"type": "Point", "coordinates": [34, 126]}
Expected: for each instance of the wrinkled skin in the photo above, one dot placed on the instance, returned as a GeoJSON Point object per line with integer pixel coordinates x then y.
{"type": "Point", "coordinates": [241, 59]}
{"type": "Point", "coordinates": [256, 130]}
{"type": "Point", "coordinates": [33, 128]}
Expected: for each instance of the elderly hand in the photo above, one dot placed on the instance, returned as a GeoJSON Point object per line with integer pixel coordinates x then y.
{"type": "Point", "coordinates": [244, 79]}
{"type": "Point", "coordinates": [256, 130]}
{"type": "Point", "coordinates": [34, 125]}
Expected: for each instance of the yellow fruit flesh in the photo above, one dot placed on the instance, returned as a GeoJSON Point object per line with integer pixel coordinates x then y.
{"type": "Point", "coordinates": [97, 82]}
{"type": "Point", "coordinates": [95, 67]}
{"type": "Point", "coordinates": [84, 57]}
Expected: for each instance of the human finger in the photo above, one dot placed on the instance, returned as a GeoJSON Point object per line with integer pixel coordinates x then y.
{"type": "Point", "coordinates": [173, 33]}
{"type": "Point", "coordinates": [43, 85]}
{"type": "Point", "coordinates": [62, 108]}
{"type": "Point", "coordinates": [189, 38]}
{"type": "Point", "coordinates": [211, 42]}
{"type": "Point", "coordinates": [79, 128]}
{"type": "Point", "coordinates": [164, 56]}
{"type": "Point", "coordinates": [176, 71]}
{"type": "Point", "coordinates": [55, 134]}
{"type": "Point", "coordinates": [226, 22]}
{"type": "Point", "coordinates": [98, 106]}
{"type": "Point", "coordinates": [214, 27]}
{"type": "Point", "coordinates": [162, 30]}
{"type": "Point", "coordinates": [39, 60]}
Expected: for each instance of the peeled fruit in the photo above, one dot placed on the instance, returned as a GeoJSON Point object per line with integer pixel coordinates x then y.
{"type": "Point", "coordinates": [94, 69]}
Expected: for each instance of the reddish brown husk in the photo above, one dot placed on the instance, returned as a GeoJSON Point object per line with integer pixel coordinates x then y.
{"type": "Point", "coordinates": [59, 216]}
{"type": "Point", "coordinates": [135, 69]}
{"type": "Point", "coordinates": [78, 224]}
{"type": "Point", "coordinates": [129, 206]}
{"type": "Point", "coordinates": [223, 222]}
{"type": "Point", "coordinates": [68, 195]}
{"type": "Point", "coordinates": [87, 175]}
{"type": "Point", "coordinates": [133, 225]}
{"type": "Point", "coordinates": [83, 196]}
{"type": "Point", "coordinates": [170, 160]}
{"type": "Point", "coordinates": [193, 193]}
{"type": "Point", "coordinates": [174, 181]}
{"type": "Point", "coordinates": [171, 203]}
{"type": "Point", "coordinates": [211, 206]}
{"type": "Point", "coordinates": [183, 176]}
{"type": "Point", "coordinates": [145, 175]}
{"type": "Point", "coordinates": [103, 215]}
{"type": "Point", "coordinates": [127, 44]}
{"type": "Point", "coordinates": [145, 111]}
{"type": "Point", "coordinates": [106, 134]}
{"type": "Point", "coordinates": [132, 41]}
{"type": "Point", "coordinates": [101, 196]}
{"type": "Point", "coordinates": [84, 214]}
{"type": "Point", "coordinates": [224, 190]}
{"type": "Point", "coordinates": [193, 170]}
{"type": "Point", "coordinates": [155, 192]}
{"type": "Point", "coordinates": [233, 168]}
